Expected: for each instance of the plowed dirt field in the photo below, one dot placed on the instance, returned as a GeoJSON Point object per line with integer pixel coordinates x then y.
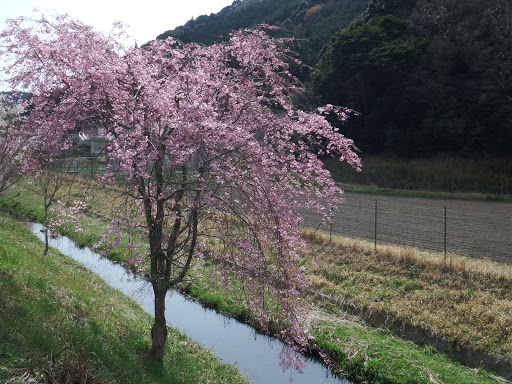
{"type": "Point", "coordinates": [473, 228]}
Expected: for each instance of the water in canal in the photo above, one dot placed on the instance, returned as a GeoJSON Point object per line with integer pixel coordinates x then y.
{"type": "Point", "coordinates": [256, 355]}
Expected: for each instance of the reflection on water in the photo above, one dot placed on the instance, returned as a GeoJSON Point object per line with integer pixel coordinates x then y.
{"type": "Point", "coordinates": [255, 355]}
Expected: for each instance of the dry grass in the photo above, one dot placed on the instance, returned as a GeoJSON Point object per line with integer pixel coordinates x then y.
{"type": "Point", "coordinates": [441, 173]}
{"type": "Point", "coordinates": [24, 376]}
{"type": "Point", "coordinates": [477, 268]}
{"type": "Point", "coordinates": [464, 300]}
{"type": "Point", "coordinates": [66, 370]}
{"type": "Point", "coordinates": [316, 315]}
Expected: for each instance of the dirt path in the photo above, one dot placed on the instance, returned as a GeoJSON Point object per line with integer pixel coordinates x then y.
{"type": "Point", "coordinates": [474, 228]}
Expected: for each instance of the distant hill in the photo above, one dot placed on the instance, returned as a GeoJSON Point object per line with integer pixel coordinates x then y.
{"type": "Point", "coordinates": [427, 76]}
{"type": "Point", "coordinates": [313, 20]}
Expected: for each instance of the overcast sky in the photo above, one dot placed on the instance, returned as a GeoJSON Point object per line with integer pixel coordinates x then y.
{"type": "Point", "coordinates": [146, 18]}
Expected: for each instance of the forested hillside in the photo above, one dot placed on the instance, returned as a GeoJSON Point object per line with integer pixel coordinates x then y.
{"type": "Point", "coordinates": [426, 76]}
{"type": "Point", "coordinates": [314, 21]}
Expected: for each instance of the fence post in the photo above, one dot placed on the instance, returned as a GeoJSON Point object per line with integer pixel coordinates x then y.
{"type": "Point", "coordinates": [444, 219]}
{"type": "Point", "coordinates": [375, 229]}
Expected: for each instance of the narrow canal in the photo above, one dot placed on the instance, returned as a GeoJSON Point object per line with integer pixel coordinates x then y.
{"type": "Point", "coordinates": [255, 355]}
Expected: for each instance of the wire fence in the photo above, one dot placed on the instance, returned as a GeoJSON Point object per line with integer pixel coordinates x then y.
{"type": "Point", "coordinates": [438, 174]}
{"type": "Point", "coordinates": [472, 228]}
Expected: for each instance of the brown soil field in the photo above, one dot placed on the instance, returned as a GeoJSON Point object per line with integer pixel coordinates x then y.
{"type": "Point", "coordinates": [477, 229]}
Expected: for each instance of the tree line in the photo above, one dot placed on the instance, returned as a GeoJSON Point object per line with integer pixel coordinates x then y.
{"type": "Point", "coordinates": [312, 22]}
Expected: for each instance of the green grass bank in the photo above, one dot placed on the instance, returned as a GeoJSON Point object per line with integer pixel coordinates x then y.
{"type": "Point", "coordinates": [59, 323]}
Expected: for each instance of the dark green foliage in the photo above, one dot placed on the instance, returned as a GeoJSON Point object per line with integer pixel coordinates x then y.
{"type": "Point", "coordinates": [361, 69]}
{"type": "Point", "coordinates": [291, 15]}
{"type": "Point", "coordinates": [427, 77]}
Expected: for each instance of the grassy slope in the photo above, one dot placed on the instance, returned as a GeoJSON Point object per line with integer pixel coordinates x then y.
{"type": "Point", "coordinates": [53, 308]}
{"type": "Point", "coordinates": [365, 353]}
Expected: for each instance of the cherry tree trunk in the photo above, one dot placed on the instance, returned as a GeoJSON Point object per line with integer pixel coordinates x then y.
{"type": "Point", "coordinates": [46, 229]}
{"type": "Point", "coordinates": [159, 330]}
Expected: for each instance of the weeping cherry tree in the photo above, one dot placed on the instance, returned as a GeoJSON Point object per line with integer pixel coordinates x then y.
{"type": "Point", "coordinates": [215, 159]}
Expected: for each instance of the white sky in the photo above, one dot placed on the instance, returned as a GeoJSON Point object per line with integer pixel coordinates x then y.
{"type": "Point", "coordinates": [146, 18]}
